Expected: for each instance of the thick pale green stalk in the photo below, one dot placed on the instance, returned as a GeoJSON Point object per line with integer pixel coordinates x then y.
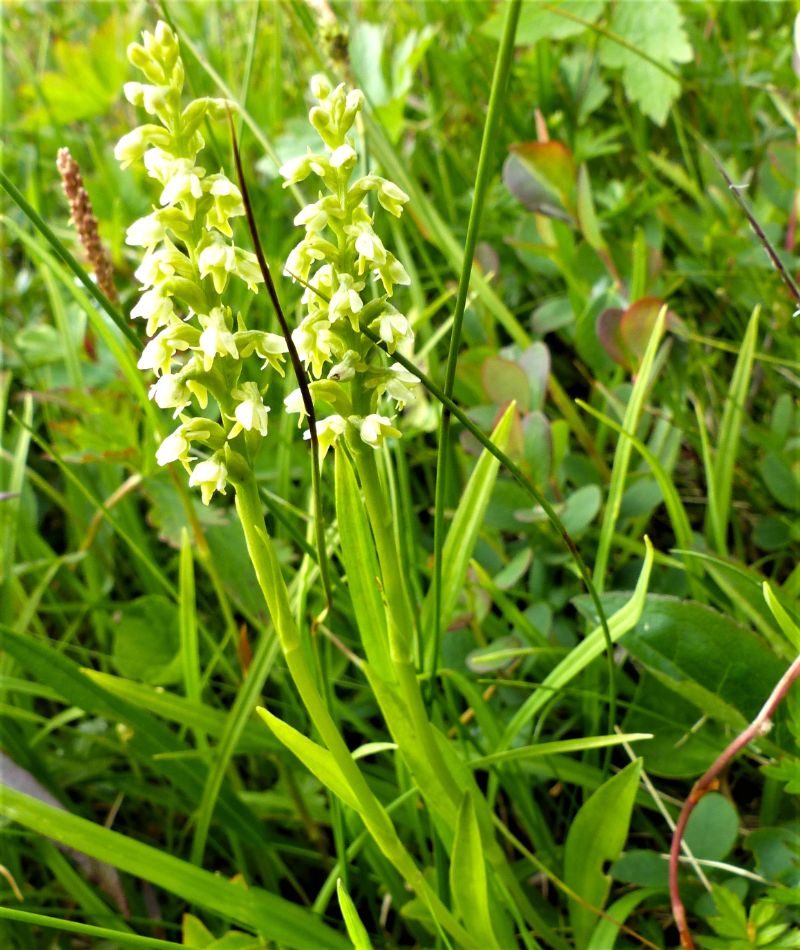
{"type": "Point", "coordinates": [270, 579]}
{"type": "Point", "coordinates": [502, 69]}
{"type": "Point", "coordinates": [400, 617]}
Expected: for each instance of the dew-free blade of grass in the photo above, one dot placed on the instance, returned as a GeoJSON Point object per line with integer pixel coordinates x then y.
{"type": "Point", "coordinates": [468, 883]}
{"type": "Point", "coordinates": [672, 501]}
{"type": "Point", "coordinates": [274, 917]}
{"type": "Point", "coordinates": [356, 931]}
{"type": "Point", "coordinates": [121, 938]}
{"type": "Point", "coordinates": [10, 507]}
{"type": "Point", "coordinates": [559, 747]}
{"type": "Point", "coordinates": [361, 565]}
{"type": "Point", "coordinates": [789, 627]}
{"type": "Point", "coordinates": [246, 698]}
{"type": "Point", "coordinates": [168, 705]}
{"type": "Point", "coordinates": [730, 430]}
{"type": "Point", "coordinates": [463, 533]}
{"type": "Point", "coordinates": [318, 760]}
{"type": "Point", "coordinates": [622, 456]}
{"type": "Point", "coordinates": [587, 650]}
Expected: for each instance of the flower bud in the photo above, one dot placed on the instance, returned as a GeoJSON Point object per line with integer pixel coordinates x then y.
{"type": "Point", "coordinates": [320, 86]}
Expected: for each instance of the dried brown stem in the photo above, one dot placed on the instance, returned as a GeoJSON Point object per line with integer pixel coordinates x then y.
{"type": "Point", "coordinates": [706, 783]}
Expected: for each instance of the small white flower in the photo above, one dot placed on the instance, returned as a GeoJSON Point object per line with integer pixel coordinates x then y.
{"type": "Point", "coordinates": [248, 270]}
{"type": "Point", "coordinates": [391, 197]}
{"type": "Point", "coordinates": [374, 429]}
{"type": "Point", "coordinates": [298, 169]}
{"type": "Point", "coordinates": [346, 302]}
{"type": "Point", "coordinates": [227, 203]}
{"type": "Point", "coordinates": [328, 431]}
{"type": "Point", "coordinates": [301, 259]}
{"type": "Point", "coordinates": [211, 475]}
{"type": "Point", "coordinates": [271, 347]}
{"type": "Point", "coordinates": [218, 258]}
{"type": "Point", "coordinates": [399, 384]}
{"type": "Point", "coordinates": [393, 328]}
{"type": "Point", "coordinates": [170, 392]}
{"type": "Point", "coordinates": [155, 307]}
{"type": "Point", "coordinates": [174, 448]}
{"type": "Point", "coordinates": [313, 339]}
{"type": "Point", "coordinates": [343, 157]}
{"type": "Point", "coordinates": [392, 272]}
{"type": "Point", "coordinates": [294, 404]}
{"type": "Point", "coordinates": [250, 412]}
{"type": "Point", "coordinates": [146, 232]}
{"type": "Point", "coordinates": [368, 245]}
{"type": "Point", "coordinates": [216, 338]}
{"type": "Point", "coordinates": [183, 184]}
{"type": "Point", "coordinates": [320, 86]}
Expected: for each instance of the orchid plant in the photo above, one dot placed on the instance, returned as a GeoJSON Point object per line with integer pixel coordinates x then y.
{"type": "Point", "coordinates": [346, 339]}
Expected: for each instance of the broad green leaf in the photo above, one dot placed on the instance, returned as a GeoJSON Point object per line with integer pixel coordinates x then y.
{"type": "Point", "coordinates": [660, 36]}
{"type": "Point", "coordinates": [713, 828]}
{"type": "Point", "coordinates": [781, 480]}
{"type": "Point", "coordinates": [147, 641]}
{"type": "Point", "coordinates": [460, 541]}
{"type": "Point", "coordinates": [536, 362]}
{"type": "Point", "coordinates": [536, 23]}
{"type": "Point", "coordinates": [468, 883]}
{"type": "Point", "coordinates": [361, 565]}
{"type": "Point", "coordinates": [272, 916]}
{"type": "Point", "coordinates": [683, 744]}
{"type": "Point", "coordinates": [316, 759]}
{"type": "Point", "coordinates": [712, 661]}
{"type": "Point", "coordinates": [504, 381]}
{"type": "Point", "coordinates": [356, 931]}
{"type": "Point", "coordinates": [597, 835]}
{"type": "Point", "coordinates": [551, 165]}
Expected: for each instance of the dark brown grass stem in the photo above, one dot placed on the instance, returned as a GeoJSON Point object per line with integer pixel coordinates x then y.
{"type": "Point", "coordinates": [706, 783]}
{"type": "Point", "coordinates": [770, 251]}
{"type": "Point", "coordinates": [297, 366]}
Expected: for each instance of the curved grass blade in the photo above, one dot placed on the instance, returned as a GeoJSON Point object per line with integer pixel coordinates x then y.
{"type": "Point", "coordinates": [274, 917]}
{"type": "Point", "coordinates": [356, 931]}
{"type": "Point", "coordinates": [587, 650]}
{"type": "Point", "coordinates": [87, 930]}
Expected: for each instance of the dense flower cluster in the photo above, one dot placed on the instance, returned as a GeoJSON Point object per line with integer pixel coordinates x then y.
{"type": "Point", "coordinates": [334, 260]}
{"type": "Point", "coordinates": [198, 345]}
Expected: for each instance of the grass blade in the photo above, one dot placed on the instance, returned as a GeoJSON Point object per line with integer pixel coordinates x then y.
{"type": "Point", "coordinates": [274, 917]}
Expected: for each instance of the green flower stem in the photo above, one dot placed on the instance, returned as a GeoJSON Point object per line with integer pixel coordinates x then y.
{"type": "Point", "coordinates": [401, 618]}
{"type": "Point", "coordinates": [421, 747]}
{"type": "Point", "coordinates": [270, 580]}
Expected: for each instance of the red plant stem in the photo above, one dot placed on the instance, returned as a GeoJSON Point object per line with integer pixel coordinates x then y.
{"type": "Point", "coordinates": [758, 727]}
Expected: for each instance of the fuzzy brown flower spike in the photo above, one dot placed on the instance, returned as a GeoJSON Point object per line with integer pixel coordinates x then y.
{"type": "Point", "coordinates": [85, 222]}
